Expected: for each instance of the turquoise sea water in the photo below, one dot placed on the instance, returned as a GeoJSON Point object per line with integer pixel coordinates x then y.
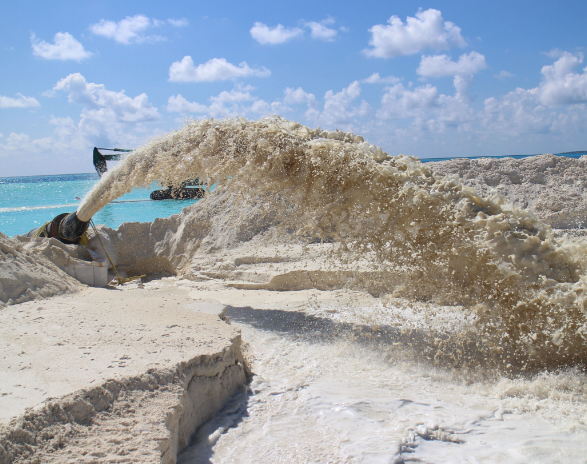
{"type": "Point", "coordinates": [29, 202]}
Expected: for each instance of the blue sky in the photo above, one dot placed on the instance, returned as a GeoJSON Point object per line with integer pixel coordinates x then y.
{"type": "Point", "coordinates": [429, 79]}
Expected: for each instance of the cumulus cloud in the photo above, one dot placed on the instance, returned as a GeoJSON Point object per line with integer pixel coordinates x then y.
{"type": "Point", "coordinates": [338, 107]}
{"type": "Point", "coordinates": [321, 30]}
{"type": "Point", "coordinates": [376, 79]}
{"type": "Point", "coordinates": [64, 48]}
{"type": "Point", "coordinates": [426, 110]}
{"type": "Point", "coordinates": [272, 36]}
{"type": "Point", "coordinates": [238, 94]}
{"type": "Point", "coordinates": [399, 102]}
{"type": "Point", "coordinates": [560, 85]}
{"type": "Point", "coordinates": [216, 69]}
{"type": "Point", "coordinates": [441, 65]}
{"type": "Point", "coordinates": [128, 30]}
{"type": "Point", "coordinates": [105, 116]}
{"type": "Point", "coordinates": [237, 102]}
{"type": "Point", "coordinates": [299, 96]}
{"type": "Point", "coordinates": [555, 53]}
{"type": "Point", "coordinates": [178, 104]}
{"type": "Point", "coordinates": [296, 96]}
{"type": "Point", "coordinates": [19, 102]}
{"type": "Point", "coordinates": [522, 115]}
{"type": "Point", "coordinates": [105, 112]}
{"type": "Point", "coordinates": [427, 30]}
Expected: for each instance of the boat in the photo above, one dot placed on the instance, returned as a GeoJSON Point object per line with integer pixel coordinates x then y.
{"type": "Point", "coordinates": [187, 190]}
{"type": "Point", "coordinates": [183, 192]}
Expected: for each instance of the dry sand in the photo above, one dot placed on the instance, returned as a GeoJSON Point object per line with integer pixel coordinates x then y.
{"type": "Point", "coordinates": [553, 187]}
{"type": "Point", "coordinates": [112, 375]}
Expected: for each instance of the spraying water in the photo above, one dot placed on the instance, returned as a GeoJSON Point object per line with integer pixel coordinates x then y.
{"type": "Point", "coordinates": [430, 238]}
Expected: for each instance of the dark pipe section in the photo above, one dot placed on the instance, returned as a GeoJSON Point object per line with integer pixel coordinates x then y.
{"type": "Point", "coordinates": [66, 228]}
{"type": "Point", "coordinates": [71, 229]}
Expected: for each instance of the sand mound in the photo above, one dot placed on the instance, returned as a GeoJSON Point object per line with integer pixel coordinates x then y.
{"type": "Point", "coordinates": [26, 275]}
{"type": "Point", "coordinates": [553, 187]}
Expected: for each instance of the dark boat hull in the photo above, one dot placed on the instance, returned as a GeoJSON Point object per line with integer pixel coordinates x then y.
{"type": "Point", "coordinates": [177, 194]}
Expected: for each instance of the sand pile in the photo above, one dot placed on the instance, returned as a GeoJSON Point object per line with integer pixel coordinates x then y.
{"type": "Point", "coordinates": [553, 187]}
{"type": "Point", "coordinates": [26, 275]}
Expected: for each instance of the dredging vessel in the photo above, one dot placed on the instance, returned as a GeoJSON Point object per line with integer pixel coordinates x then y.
{"type": "Point", "coordinates": [187, 190]}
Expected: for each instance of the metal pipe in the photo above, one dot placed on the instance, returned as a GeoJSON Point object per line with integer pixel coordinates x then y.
{"type": "Point", "coordinates": [66, 227]}
{"type": "Point", "coordinates": [71, 229]}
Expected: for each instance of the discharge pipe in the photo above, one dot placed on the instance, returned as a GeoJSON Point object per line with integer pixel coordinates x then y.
{"type": "Point", "coordinates": [71, 228]}
{"type": "Point", "coordinates": [67, 228]}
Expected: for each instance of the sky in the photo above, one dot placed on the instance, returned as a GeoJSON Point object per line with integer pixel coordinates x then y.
{"type": "Point", "coordinates": [427, 79]}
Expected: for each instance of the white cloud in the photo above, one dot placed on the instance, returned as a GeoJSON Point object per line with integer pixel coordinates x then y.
{"type": "Point", "coordinates": [105, 112]}
{"type": "Point", "coordinates": [554, 53]}
{"type": "Point", "coordinates": [376, 79]}
{"type": "Point", "coordinates": [128, 30]}
{"type": "Point", "coordinates": [237, 102]}
{"type": "Point", "coordinates": [180, 105]}
{"type": "Point", "coordinates": [278, 107]}
{"type": "Point", "coordinates": [64, 127]}
{"type": "Point", "coordinates": [339, 110]}
{"type": "Point", "coordinates": [64, 48]}
{"type": "Point", "coordinates": [238, 94]}
{"type": "Point", "coordinates": [178, 22]}
{"type": "Point", "coordinates": [338, 107]}
{"type": "Point", "coordinates": [504, 75]}
{"type": "Point", "coordinates": [399, 102]}
{"type": "Point", "coordinates": [298, 96]}
{"type": "Point", "coordinates": [216, 69]}
{"type": "Point", "coordinates": [560, 85]}
{"type": "Point", "coordinates": [22, 142]}
{"type": "Point", "coordinates": [19, 102]}
{"type": "Point", "coordinates": [426, 31]}
{"type": "Point", "coordinates": [272, 36]}
{"type": "Point", "coordinates": [321, 30]}
{"type": "Point", "coordinates": [524, 117]}
{"type": "Point", "coordinates": [441, 65]}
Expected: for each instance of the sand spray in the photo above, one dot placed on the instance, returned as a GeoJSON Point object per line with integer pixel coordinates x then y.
{"type": "Point", "coordinates": [430, 237]}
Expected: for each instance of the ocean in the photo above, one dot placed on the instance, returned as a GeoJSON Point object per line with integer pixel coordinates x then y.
{"type": "Point", "coordinates": [28, 202]}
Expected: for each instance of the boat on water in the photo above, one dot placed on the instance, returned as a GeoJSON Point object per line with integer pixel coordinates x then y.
{"type": "Point", "coordinates": [187, 190]}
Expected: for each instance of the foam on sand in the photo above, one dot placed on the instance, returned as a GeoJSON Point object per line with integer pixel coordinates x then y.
{"type": "Point", "coordinates": [429, 237]}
